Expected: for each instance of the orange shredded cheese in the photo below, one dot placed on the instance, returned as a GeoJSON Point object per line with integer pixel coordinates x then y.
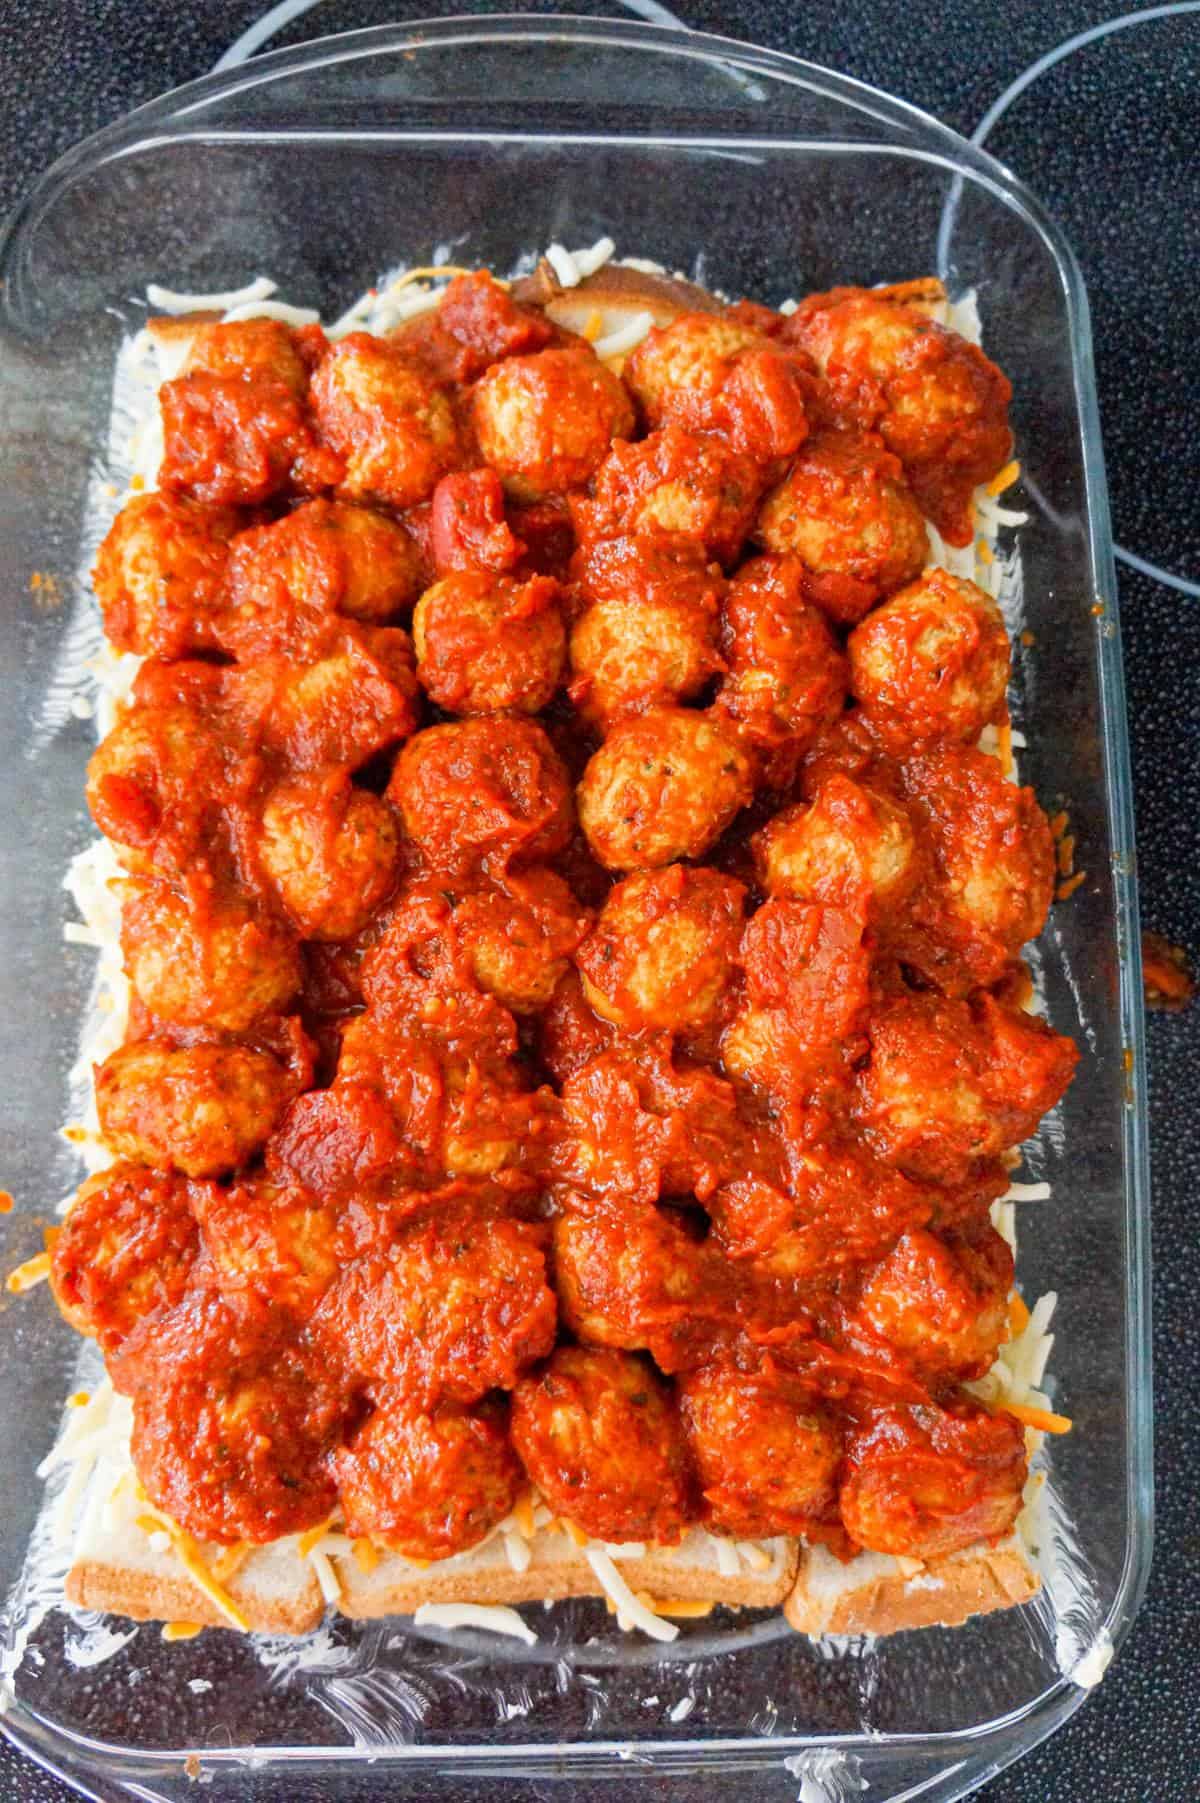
{"type": "Point", "coordinates": [430, 273]}
{"type": "Point", "coordinates": [983, 552]}
{"type": "Point", "coordinates": [79, 1400]}
{"type": "Point", "coordinates": [1004, 478]}
{"type": "Point", "coordinates": [6, 1202]}
{"type": "Point", "coordinates": [1044, 1420]}
{"type": "Point", "coordinates": [1066, 890]}
{"type": "Point", "coordinates": [572, 1532]}
{"type": "Point", "coordinates": [593, 325]}
{"type": "Point", "coordinates": [181, 1630]}
{"type": "Point", "coordinates": [685, 1608]}
{"type": "Point", "coordinates": [230, 1560]}
{"type": "Point", "coordinates": [1018, 1315]}
{"type": "Point", "coordinates": [137, 483]}
{"type": "Point", "coordinates": [313, 1536]}
{"type": "Point", "coordinates": [189, 1557]}
{"type": "Point", "coordinates": [35, 1270]}
{"type": "Point", "coordinates": [366, 1553]}
{"type": "Point", "coordinates": [523, 1514]}
{"type": "Point", "coordinates": [1006, 748]}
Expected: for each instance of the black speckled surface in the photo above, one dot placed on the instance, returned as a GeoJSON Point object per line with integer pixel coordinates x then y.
{"type": "Point", "coordinates": [1108, 140]}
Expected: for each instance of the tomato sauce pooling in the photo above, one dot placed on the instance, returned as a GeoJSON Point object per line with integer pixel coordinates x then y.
{"type": "Point", "coordinates": [573, 935]}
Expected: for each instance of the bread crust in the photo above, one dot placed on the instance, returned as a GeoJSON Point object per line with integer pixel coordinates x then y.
{"type": "Point", "coordinates": [142, 1595]}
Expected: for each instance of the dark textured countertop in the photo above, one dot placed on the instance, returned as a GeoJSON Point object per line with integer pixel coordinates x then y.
{"type": "Point", "coordinates": [1108, 141]}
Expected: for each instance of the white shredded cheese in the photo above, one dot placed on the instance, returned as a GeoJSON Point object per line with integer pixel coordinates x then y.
{"type": "Point", "coordinates": [615, 344]}
{"type": "Point", "coordinates": [587, 262]}
{"type": "Point", "coordinates": [680, 1711]}
{"type": "Point", "coordinates": [626, 1603]}
{"type": "Point", "coordinates": [564, 266]}
{"type": "Point", "coordinates": [493, 1618]}
{"type": "Point", "coordinates": [727, 1560]}
{"type": "Point", "coordinates": [788, 307]}
{"type": "Point", "coordinates": [325, 1575]}
{"type": "Point", "coordinates": [170, 300]}
{"type": "Point", "coordinates": [291, 316]}
{"type": "Point", "coordinates": [517, 1551]}
{"type": "Point", "coordinates": [1026, 1192]}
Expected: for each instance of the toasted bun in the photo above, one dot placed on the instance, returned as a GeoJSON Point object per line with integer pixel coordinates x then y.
{"type": "Point", "coordinates": [877, 1594]}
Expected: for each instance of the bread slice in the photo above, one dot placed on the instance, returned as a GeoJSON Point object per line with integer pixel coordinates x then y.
{"type": "Point", "coordinates": [875, 1593]}
{"type": "Point", "coordinates": [275, 1590]}
{"type": "Point", "coordinates": [559, 1568]}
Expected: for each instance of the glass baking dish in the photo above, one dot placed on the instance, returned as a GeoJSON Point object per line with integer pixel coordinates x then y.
{"type": "Point", "coordinates": [758, 174]}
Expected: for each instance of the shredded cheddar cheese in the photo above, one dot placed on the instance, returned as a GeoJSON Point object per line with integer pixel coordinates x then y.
{"type": "Point", "coordinates": [181, 1630]}
{"type": "Point", "coordinates": [573, 1533]}
{"type": "Point", "coordinates": [229, 1562]}
{"type": "Point", "coordinates": [313, 1537]}
{"type": "Point", "coordinates": [1018, 1315]}
{"type": "Point", "coordinates": [523, 1514]}
{"type": "Point", "coordinates": [1004, 478]}
{"type": "Point", "coordinates": [683, 1608]}
{"type": "Point", "coordinates": [189, 1557]}
{"type": "Point", "coordinates": [366, 1554]}
{"type": "Point", "coordinates": [35, 1270]}
{"type": "Point", "coordinates": [1044, 1420]}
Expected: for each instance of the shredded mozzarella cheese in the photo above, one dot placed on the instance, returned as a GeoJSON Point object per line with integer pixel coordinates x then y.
{"type": "Point", "coordinates": [493, 1618]}
{"type": "Point", "coordinates": [626, 1604]}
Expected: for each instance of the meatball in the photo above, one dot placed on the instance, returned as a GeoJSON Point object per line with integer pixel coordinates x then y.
{"type": "Point", "coordinates": [664, 785]}
{"type": "Point", "coordinates": [707, 372]}
{"type": "Point", "coordinates": [931, 665]}
{"type": "Point", "coordinates": [125, 1252]}
{"type": "Point", "coordinates": [233, 1424]}
{"type": "Point", "coordinates": [635, 1278]}
{"type": "Point", "coordinates": [661, 953]}
{"type": "Point", "coordinates": [787, 678]}
{"type": "Point", "coordinates": [487, 642]}
{"type": "Point", "coordinates": [518, 937]}
{"type": "Point", "coordinates": [599, 1435]}
{"type": "Point", "coordinates": [852, 847]}
{"type": "Point", "coordinates": [569, 1034]}
{"type": "Point", "coordinates": [391, 424]}
{"type": "Point", "coordinates": [674, 482]}
{"type": "Point", "coordinates": [950, 1083]}
{"type": "Point", "coordinates": [358, 699]}
{"type": "Point", "coordinates": [836, 1207]}
{"type": "Point", "coordinates": [159, 574]}
{"type": "Point", "coordinates": [342, 1142]}
{"type": "Point", "coordinates": [272, 1246]}
{"type": "Point", "coordinates": [468, 529]}
{"type": "Point", "coordinates": [940, 405]}
{"type": "Point", "coordinates": [215, 962]}
{"type": "Point", "coordinates": [544, 422]}
{"type": "Point", "coordinates": [456, 1306]}
{"type": "Point", "coordinates": [993, 870]}
{"type": "Point", "coordinates": [766, 1452]}
{"type": "Point", "coordinates": [427, 1483]}
{"type": "Point", "coordinates": [942, 1303]}
{"type": "Point", "coordinates": [331, 853]}
{"type": "Point", "coordinates": [200, 1109]}
{"type": "Point", "coordinates": [646, 628]}
{"type": "Point", "coordinates": [236, 429]}
{"type": "Point", "coordinates": [845, 510]}
{"type": "Point", "coordinates": [248, 348]}
{"type": "Point", "coordinates": [637, 1125]}
{"type": "Point", "coordinates": [806, 970]}
{"type": "Point", "coordinates": [476, 790]}
{"type": "Point", "coordinates": [286, 580]}
{"type": "Point", "coordinates": [925, 1483]}
{"type": "Point", "coordinates": [151, 780]}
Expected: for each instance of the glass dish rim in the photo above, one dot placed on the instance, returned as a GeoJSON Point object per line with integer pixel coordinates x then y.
{"type": "Point", "coordinates": [179, 114]}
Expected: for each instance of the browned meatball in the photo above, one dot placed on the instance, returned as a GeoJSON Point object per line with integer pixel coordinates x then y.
{"type": "Point", "coordinates": [950, 1084]}
{"type": "Point", "coordinates": [487, 642]}
{"type": "Point", "coordinates": [944, 1304]}
{"type": "Point", "coordinates": [634, 1278]}
{"type": "Point", "coordinates": [925, 1483]}
{"type": "Point", "coordinates": [392, 425]}
{"type": "Point", "coordinates": [428, 1483]}
{"type": "Point", "coordinates": [125, 1251]}
{"type": "Point", "coordinates": [845, 510]}
{"type": "Point", "coordinates": [518, 937]}
{"type": "Point", "coordinates": [286, 580]}
{"type": "Point", "coordinates": [931, 665]}
{"type": "Point", "coordinates": [358, 699]}
{"type": "Point", "coordinates": [646, 624]}
{"type": "Point", "coordinates": [151, 779]}
{"type": "Point", "coordinates": [233, 1423]}
{"type": "Point", "coordinates": [766, 1451]}
{"type": "Point", "coordinates": [851, 846]}
{"type": "Point", "coordinates": [545, 421]}
{"type": "Point", "coordinates": [787, 678]}
{"type": "Point", "coordinates": [491, 789]}
{"type": "Point", "coordinates": [217, 964]}
{"type": "Point", "coordinates": [247, 348]}
{"type": "Point", "coordinates": [271, 1245]}
{"type": "Point", "coordinates": [674, 482]}
{"type": "Point", "coordinates": [664, 785]}
{"type": "Point", "coordinates": [159, 573]}
{"type": "Point", "coordinates": [993, 869]}
{"type": "Point", "coordinates": [599, 1435]}
{"type": "Point", "coordinates": [662, 949]}
{"type": "Point", "coordinates": [331, 852]}
{"type": "Point", "coordinates": [200, 1109]}
{"type": "Point", "coordinates": [708, 372]}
